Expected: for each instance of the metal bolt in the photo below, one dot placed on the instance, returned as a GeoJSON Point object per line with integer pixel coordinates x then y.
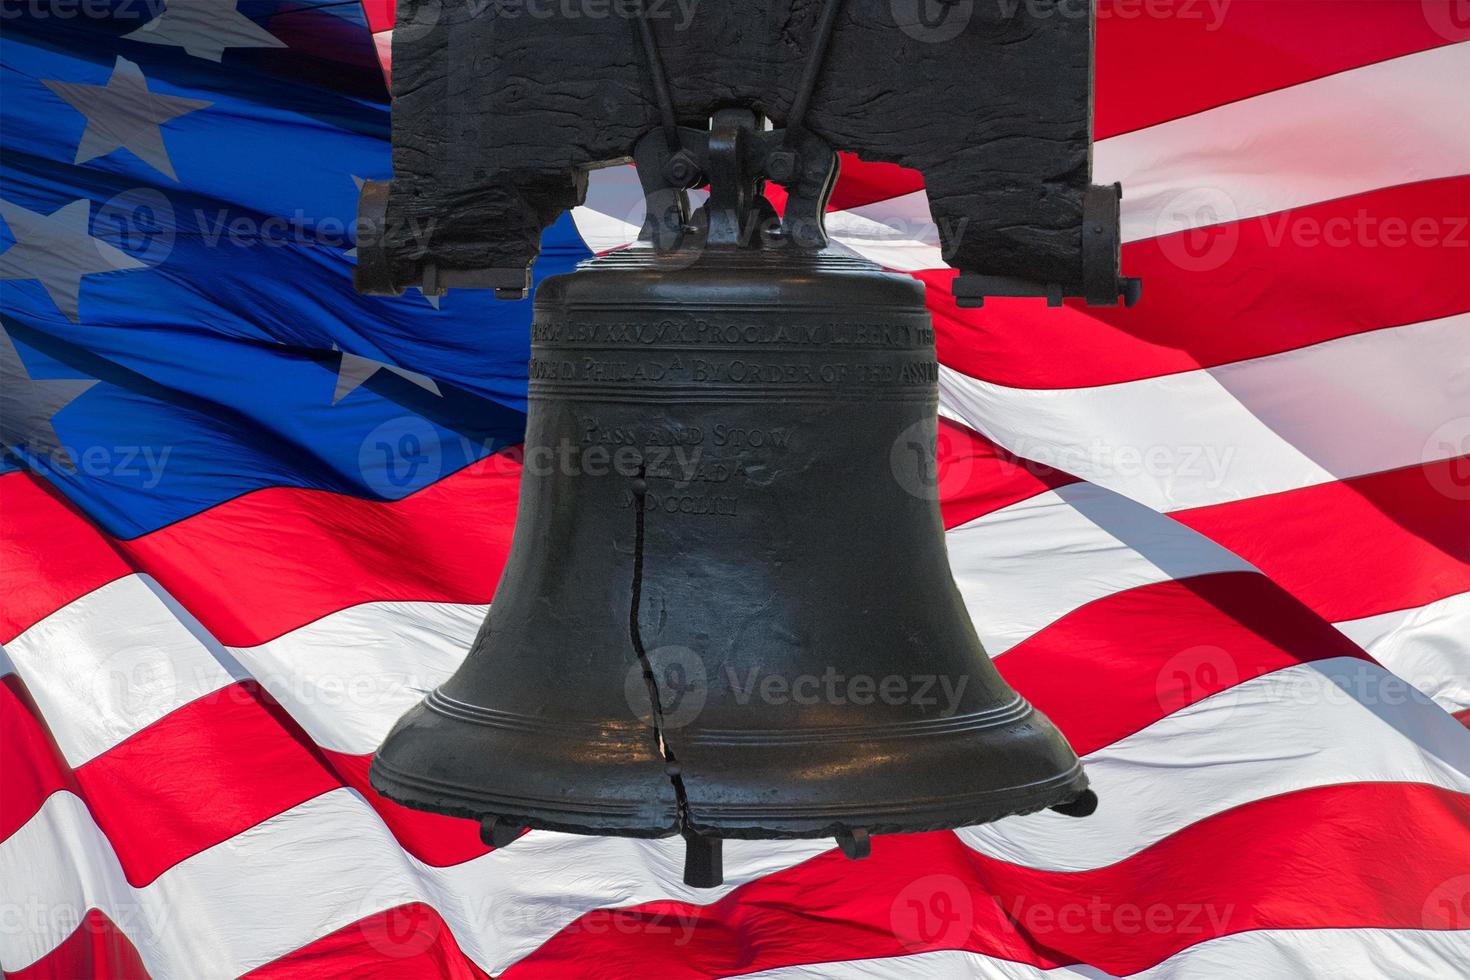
{"type": "Point", "coordinates": [781, 166]}
{"type": "Point", "coordinates": [681, 170]}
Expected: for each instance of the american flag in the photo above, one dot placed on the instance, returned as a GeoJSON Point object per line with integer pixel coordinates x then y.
{"type": "Point", "coordinates": [1222, 538]}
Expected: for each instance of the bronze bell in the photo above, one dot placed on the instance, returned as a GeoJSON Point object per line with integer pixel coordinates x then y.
{"type": "Point", "coordinates": [728, 611]}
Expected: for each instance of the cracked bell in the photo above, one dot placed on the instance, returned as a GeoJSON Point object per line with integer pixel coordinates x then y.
{"type": "Point", "coordinates": [728, 610]}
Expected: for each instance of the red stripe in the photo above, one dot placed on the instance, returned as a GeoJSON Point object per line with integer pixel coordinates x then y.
{"type": "Point", "coordinates": [862, 182]}
{"type": "Point", "coordinates": [1161, 59]}
{"type": "Point", "coordinates": [30, 759]}
{"type": "Point", "coordinates": [1117, 665]}
{"type": "Point", "coordinates": [274, 560]}
{"type": "Point", "coordinates": [409, 942]}
{"type": "Point", "coordinates": [200, 775]}
{"type": "Point", "coordinates": [97, 948]}
{"type": "Point", "coordinates": [50, 553]}
{"type": "Point", "coordinates": [1363, 855]}
{"type": "Point", "coordinates": [1276, 291]}
{"type": "Point", "coordinates": [379, 14]}
{"type": "Point", "coordinates": [1355, 547]}
{"type": "Point", "coordinates": [263, 564]}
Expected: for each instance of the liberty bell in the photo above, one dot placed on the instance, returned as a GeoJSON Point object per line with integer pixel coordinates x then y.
{"type": "Point", "coordinates": [728, 610]}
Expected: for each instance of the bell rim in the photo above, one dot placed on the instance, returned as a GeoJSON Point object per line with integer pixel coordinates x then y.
{"type": "Point", "coordinates": [622, 818]}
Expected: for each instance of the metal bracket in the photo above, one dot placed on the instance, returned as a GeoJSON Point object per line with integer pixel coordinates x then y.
{"type": "Point", "coordinates": [1101, 255]}
{"type": "Point", "coordinates": [736, 157]}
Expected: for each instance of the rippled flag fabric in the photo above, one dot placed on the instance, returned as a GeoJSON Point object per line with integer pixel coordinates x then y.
{"type": "Point", "coordinates": [1221, 538]}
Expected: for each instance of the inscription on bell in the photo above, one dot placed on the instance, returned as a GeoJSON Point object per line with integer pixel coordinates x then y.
{"type": "Point", "coordinates": [700, 370]}
{"type": "Point", "coordinates": [698, 332]}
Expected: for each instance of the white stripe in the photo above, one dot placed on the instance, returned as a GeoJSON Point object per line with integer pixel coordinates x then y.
{"type": "Point", "coordinates": [1395, 122]}
{"type": "Point", "coordinates": [119, 658]}
{"type": "Point", "coordinates": [1274, 954]}
{"type": "Point", "coordinates": [1342, 408]}
{"type": "Point", "coordinates": [114, 661]}
{"type": "Point", "coordinates": [1424, 645]}
{"type": "Point", "coordinates": [323, 865]}
{"type": "Point", "coordinates": [383, 44]}
{"type": "Point", "coordinates": [347, 677]}
{"type": "Point", "coordinates": [1330, 722]}
{"type": "Point", "coordinates": [1027, 565]}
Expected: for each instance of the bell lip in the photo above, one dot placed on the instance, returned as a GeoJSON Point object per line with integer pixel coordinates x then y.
{"type": "Point", "coordinates": [921, 816]}
{"type": "Point", "coordinates": [606, 819]}
{"type": "Point", "coordinates": [960, 810]}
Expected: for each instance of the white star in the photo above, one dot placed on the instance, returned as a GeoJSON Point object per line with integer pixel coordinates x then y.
{"type": "Point", "coordinates": [355, 370]}
{"type": "Point", "coordinates": [27, 405]}
{"type": "Point", "coordinates": [123, 113]}
{"type": "Point", "coordinates": [205, 29]}
{"type": "Point", "coordinates": [56, 250]}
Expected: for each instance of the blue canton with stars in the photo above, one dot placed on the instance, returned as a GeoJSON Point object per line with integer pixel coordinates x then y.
{"type": "Point", "coordinates": [178, 191]}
